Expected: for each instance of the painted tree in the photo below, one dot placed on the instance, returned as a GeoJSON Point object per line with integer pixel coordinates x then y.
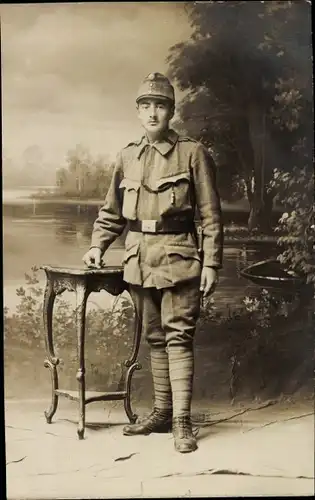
{"type": "Point", "coordinates": [247, 75]}
{"type": "Point", "coordinates": [84, 176]}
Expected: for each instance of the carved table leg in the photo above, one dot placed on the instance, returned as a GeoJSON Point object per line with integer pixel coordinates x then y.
{"type": "Point", "coordinates": [51, 361]}
{"type": "Point", "coordinates": [132, 363]}
{"type": "Point", "coordinates": [81, 299]}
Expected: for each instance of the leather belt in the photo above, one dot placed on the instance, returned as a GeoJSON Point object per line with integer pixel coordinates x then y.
{"type": "Point", "coordinates": [165, 226]}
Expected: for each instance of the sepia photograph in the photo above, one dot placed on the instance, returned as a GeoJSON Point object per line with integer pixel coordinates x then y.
{"type": "Point", "coordinates": [158, 249]}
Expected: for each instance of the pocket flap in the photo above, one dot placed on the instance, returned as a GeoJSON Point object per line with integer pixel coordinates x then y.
{"type": "Point", "coordinates": [131, 251]}
{"type": "Point", "coordinates": [167, 182]}
{"type": "Point", "coordinates": [186, 252]}
{"type": "Point", "coordinates": [129, 184]}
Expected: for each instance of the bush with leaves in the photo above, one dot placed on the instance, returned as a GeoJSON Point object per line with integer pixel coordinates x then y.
{"type": "Point", "coordinates": [296, 226]}
{"type": "Point", "coordinates": [271, 342]}
{"type": "Point", "coordinates": [25, 325]}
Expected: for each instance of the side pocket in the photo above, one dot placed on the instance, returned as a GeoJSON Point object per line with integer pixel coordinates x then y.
{"type": "Point", "coordinates": [130, 200]}
{"type": "Point", "coordinates": [130, 252]}
{"type": "Point", "coordinates": [132, 273]}
{"type": "Point", "coordinates": [184, 262]}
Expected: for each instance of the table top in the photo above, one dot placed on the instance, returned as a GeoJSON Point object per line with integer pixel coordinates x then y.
{"type": "Point", "coordinates": [84, 271]}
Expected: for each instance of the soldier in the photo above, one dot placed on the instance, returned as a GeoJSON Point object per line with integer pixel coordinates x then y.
{"type": "Point", "coordinates": [159, 184]}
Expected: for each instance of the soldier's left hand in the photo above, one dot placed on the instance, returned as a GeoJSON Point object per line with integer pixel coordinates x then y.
{"type": "Point", "coordinates": [209, 280]}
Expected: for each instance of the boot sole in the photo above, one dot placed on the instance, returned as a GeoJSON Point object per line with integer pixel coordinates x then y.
{"type": "Point", "coordinates": [186, 450]}
{"type": "Point", "coordinates": [161, 430]}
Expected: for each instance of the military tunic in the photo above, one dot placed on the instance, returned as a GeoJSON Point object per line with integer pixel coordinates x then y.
{"type": "Point", "coordinates": [172, 179]}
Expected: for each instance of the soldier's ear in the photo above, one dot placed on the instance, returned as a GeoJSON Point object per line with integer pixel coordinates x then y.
{"type": "Point", "coordinates": [172, 111]}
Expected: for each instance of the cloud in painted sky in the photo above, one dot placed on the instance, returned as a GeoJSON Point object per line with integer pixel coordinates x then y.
{"type": "Point", "coordinates": [70, 71]}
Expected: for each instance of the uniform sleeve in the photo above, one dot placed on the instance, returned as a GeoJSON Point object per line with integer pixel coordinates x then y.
{"type": "Point", "coordinates": [209, 206]}
{"type": "Point", "coordinates": [110, 223]}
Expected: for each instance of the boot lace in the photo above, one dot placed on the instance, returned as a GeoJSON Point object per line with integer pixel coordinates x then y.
{"type": "Point", "coordinates": [157, 417]}
{"type": "Point", "coordinates": [183, 427]}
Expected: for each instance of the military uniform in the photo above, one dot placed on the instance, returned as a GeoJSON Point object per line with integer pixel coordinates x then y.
{"type": "Point", "coordinates": [161, 182]}
{"type": "Point", "coordinates": [157, 190]}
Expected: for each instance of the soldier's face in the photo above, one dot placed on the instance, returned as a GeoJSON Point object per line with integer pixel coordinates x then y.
{"type": "Point", "coordinates": [154, 115]}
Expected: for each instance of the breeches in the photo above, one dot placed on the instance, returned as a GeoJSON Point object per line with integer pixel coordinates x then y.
{"type": "Point", "coordinates": [169, 315]}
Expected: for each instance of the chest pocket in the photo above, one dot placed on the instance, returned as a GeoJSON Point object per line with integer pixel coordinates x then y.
{"type": "Point", "coordinates": [174, 194]}
{"type": "Point", "coordinates": [130, 198]}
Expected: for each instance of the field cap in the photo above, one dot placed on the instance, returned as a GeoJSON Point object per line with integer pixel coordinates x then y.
{"type": "Point", "coordinates": [156, 85]}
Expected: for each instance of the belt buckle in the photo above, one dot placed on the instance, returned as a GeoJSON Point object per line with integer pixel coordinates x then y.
{"type": "Point", "coordinates": [148, 226]}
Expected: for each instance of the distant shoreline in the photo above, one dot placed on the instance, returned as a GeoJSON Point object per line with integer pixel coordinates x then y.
{"type": "Point", "coordinates": [37, 197]}
{"type": "Point", "coordinates": [71, 201]}
{"type": "Point", "coordinates": [33, 195]}
{"type": "Point", "coordinates": [19, 198]}
{"type": "Point", "coordinates": [91, 201]}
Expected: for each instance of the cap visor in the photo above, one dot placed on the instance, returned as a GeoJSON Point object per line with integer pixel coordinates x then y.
{"type": "Point", "coordinates": [154, 97]}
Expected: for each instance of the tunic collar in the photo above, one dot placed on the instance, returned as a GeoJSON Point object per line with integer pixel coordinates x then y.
{"type": "Point", "coordinates": [163, 146]}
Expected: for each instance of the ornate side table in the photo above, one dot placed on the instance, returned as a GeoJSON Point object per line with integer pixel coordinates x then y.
{"type": "Point", "coordinates": [83, 281]}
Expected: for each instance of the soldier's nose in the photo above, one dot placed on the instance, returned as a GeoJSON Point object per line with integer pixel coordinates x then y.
{"type": "Point", "coordinates": [152, 111]}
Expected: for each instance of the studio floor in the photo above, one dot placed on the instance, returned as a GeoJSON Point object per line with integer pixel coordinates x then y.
{"type": "Point", "coordinates": [243, 450]}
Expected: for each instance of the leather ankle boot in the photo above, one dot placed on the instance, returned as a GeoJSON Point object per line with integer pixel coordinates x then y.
{"type": "Point", "coordinates": [157, 421]}
{"type": "Point", "coordinates": [184, 440]}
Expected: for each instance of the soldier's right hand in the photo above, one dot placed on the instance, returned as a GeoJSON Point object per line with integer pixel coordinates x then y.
{"type": "Point", "coordinates": [93, 258]}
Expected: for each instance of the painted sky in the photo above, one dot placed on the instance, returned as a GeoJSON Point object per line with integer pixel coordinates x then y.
{"type": "Point", "coordinates": [70, 72]}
